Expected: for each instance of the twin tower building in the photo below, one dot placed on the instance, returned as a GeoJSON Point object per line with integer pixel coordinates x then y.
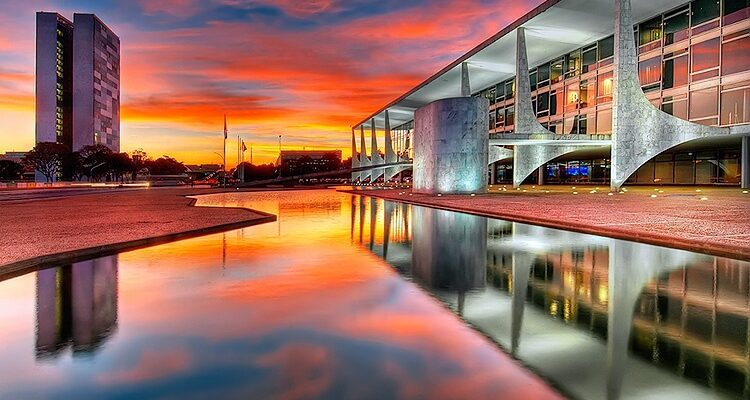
{"type": "Point", "coordinates": [77, 81]}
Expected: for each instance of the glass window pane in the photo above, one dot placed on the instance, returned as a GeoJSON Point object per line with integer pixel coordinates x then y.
{"type": "Point", "coordinates": [604, 122]}
{"type": "Point", "coordinates": [705, 55]}
{"type": "Point", "coordinates": [649, 71]}
{"type": "Point", "coordinates": [676, 27]}
{"type": "Point", "coordinates": [556, 70]}
{"type": "Point", "coordinates": [677, 108]}
{"type": "Point", "coordinates": [675, 72]}
{"type": "Point", "coordinates": [606, 47]}
{"type": "Point", "coordinates": [532, 80]}
{"type": "Point", "coordinates": [573, 61]}
{"type": "Point", "coordinates": [556, 102]}
{"type": "Point", "coordinates": [736, 10]}
{"type": "Point", "coordinates": [589, 59]}
{"type": "Point", "coordinates": [704, 10]}
{"type": "Point", "coordinates": [509, 116]}
{"type": "Point", "coordinates": [542, 74]}
{"type": "Point", "coordinates": [735, 56]}
{"type": "Point", "coordinates": [588, 90]}
{"type": "Point", "coordinates": [570, 125]}
{"type": "Point", "coordinates": [704, 103]}
{"type": "Point", "coordinates": [605, 87]}
{"type": "Point", "coordinates": [572, 97]}
{"type": "Point", "coordinates": [650, 30]}
{"type": "Point", "coordinates": [543, 102]}
{"type": "Point", "coordinates": [735, 106]}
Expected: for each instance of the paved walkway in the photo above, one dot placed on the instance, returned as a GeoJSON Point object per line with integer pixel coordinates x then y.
{"type": "Point", "coordinates": [708, 219]}
{"type": "Point", "coordinates": [34, 229]}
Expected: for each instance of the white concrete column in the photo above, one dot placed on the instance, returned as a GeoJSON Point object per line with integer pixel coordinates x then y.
{"type": "Point", "coordinates": [363, 160]}
{"type": "Point", "coordinates": [465, 83]}
{"type": "Point", "coordinates": [745, 160]}
{"type": "Point", "coordinates": [355, 157]}
{"type": "Point", "coordinates": [540, 173]}
{"type": "Point", "coordinates": [493, 173]}
{"type": "Point", "coordinates": [375, 158]}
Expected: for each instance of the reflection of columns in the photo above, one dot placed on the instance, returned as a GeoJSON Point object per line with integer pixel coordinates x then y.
{"type": "Point", "coordinates": [465, 84]}
{"type": "Point", "coordinates": [354, 216]}
{"type": "Point", "coordinates": [449, 249]}
{"type": "Point", "coordinates": [745, 160]}
{"type": "Point", "coordinates": [373, 220]}
{"type": "Point", "coordinates": [361, 217]}
{"type": "Point", "coordinates": [640, 131]}
{"type": "Point", "coordinates": [388, 209]}
{"type": "Point", "coordinates": [631, 266]}
{"type": "Point", "coordinates": [521, 272]}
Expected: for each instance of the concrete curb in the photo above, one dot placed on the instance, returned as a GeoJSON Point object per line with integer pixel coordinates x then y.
{"type": "Point", "coordinates": [23, 267]}
{"type": "Point", "coordinates": [645, 237]}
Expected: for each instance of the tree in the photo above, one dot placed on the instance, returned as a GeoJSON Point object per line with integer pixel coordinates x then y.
{"type": "Point", "coordinates": [72, 166]}
{"type": "Point", "coordinates": [138, 160]}
{"type": "Point", "coordinates": [46, 158]}
{"type": "Point", "coordinates": [119, 164]}
{"type": "Point", "coordinates": [10, 170]}
{"type": "Point", "coordinates": [94, 160]}
{"type": "Point", "coordinates": [165, 165]}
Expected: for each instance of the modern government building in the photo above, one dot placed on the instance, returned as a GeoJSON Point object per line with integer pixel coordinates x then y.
{"type": "Point", "coordinates": [608, 92]}
{"type": "Point", "coordinates": [77, 81]}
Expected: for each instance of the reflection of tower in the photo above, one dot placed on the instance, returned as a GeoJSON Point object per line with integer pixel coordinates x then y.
{"type": "Point", "coordinates": [449, 250]}
{"type": "Point", "coordinates": [76, 306]}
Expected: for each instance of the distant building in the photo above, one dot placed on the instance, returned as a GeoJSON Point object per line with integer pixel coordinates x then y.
{"type": "Point", "coordinates": [77, 81]}
{"type": "Point", "coordinates": [298, 162]}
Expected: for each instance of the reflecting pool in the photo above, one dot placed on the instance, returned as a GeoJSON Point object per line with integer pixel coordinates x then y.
{"type": "Point", "coordinates": [355, 297]}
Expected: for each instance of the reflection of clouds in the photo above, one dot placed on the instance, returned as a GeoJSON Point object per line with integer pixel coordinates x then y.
{"type": "Point", "coordinates": [151, 365]}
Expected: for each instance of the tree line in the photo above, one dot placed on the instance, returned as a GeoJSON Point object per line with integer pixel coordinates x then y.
{"type": "Point", "coordinates": [56, 161]}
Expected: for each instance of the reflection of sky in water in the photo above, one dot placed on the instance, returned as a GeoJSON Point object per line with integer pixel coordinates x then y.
{"type": "Point", "coordinates": [288, 310]}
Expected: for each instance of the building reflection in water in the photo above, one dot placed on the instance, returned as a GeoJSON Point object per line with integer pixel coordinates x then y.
{"type": "Point", "coordinates": [625, 318]}
{"type": "Point", "coordinates": [76, 307]}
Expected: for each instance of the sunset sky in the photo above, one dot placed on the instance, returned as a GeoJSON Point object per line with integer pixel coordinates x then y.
{"type": "Point", "coordinates": [304, 69]}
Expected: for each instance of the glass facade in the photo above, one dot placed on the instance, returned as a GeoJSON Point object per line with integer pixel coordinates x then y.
{"type": "Point", "coordinates": [402, 140]}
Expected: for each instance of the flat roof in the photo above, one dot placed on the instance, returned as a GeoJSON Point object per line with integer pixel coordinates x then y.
{"type": "Point", "coordinates": [553, 28]}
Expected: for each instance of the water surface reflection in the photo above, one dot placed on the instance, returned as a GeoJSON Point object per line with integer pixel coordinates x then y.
{"type": "Point", "coordinates": [602, 318]}
{"type": "Point", "coordinates": [292, 309]}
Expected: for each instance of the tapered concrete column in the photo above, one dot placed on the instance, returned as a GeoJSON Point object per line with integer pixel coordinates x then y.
{"type": "Point", "coordinates": [641, 131]}
{"type": "Point", "coordinates": [493, 173]}
{"type": "Point", "coordinates": [363, 160]}
{"type": "Point", "coordinates": [745, 160]}
{"type": "Point", "coordinates": [355, 158]}
{"type": "Point", "coordinates": [390, 154]}
{"type": "Point", "coordinates": [529, 157]}
{"type": "Point", "coordinates": [451, 146]}
{"type": "Point", "coordinates": [465, 83]}
{"type": "Point", "coordinates": [375, 158]}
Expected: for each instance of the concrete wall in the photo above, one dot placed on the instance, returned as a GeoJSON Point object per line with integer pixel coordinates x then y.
{"type": "Point", "coordinates": [451, 146]}
{"type": "Point", "coordinates": [46, 76]}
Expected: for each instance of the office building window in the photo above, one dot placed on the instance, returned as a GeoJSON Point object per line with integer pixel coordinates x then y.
{"type": "Point", "coordinates": [606, 48]}
{"type": "Point", "coordinates": [649, 31]}
{"type": "Point", "coordinates": [704, 10]}
{"type": "Point", "coordinates": [542, 104]}
{"type": "Point", "coordinates": [704, 105]}
{"type": "Point", "coordinates": [572, 96]}
{"type": "Point", "coordinates": [573, 64]}
{"type": "Point", "coordinates": [735, 104]}
{"type": "Point", "coordinates": [509, 116]}
{"type": "Point", "coordinates": [588, 93]}
{"type": "Point", "coordinates": [675, 71]}
{"type": "Point", "coordinates": [542, 75]}
{"type": "Point", "coordinates": [570, 125]}
{"type": "Point", "coordinates": [649, 72]}
{"type": "Point", "coordinates": [676, 105]}
{"type": "Point", "coordinates": [532, 80]}
{"type": "Point", "coordinates": [604, 122]}
{"type": "Point", "coordinates": [735, 53]}
{"type": "Point", "coordinates": [556, 102]}
{"type": "Point", "coordinates": [676, 26]}
{"type": "Point", "coordinates": [736, 10]}
{"type": "Point", "coordinates": [604, 90]}
{"type": "Point", "coordinates": [589, 58]}
{"type": "Point", "coordinates": [705, 59]}
{"type": "Point", "coordinates": [556, 71]}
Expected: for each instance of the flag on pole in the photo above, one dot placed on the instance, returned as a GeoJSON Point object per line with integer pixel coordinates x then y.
{"type": "Point", "coordinates": [243, 146]}
{"type": "Point", "coordinates": [225, 126]}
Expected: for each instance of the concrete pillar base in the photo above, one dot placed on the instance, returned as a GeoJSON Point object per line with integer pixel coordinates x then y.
{"type": "Point", "coordinates": [451, 146]}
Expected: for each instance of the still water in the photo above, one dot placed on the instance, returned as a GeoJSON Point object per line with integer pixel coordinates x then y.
{"type": "Point", "coordinates": [354, 297]}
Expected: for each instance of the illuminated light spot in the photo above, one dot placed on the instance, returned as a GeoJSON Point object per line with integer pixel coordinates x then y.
{"type": "Point", "coordinates": [546, 191]}
{"type": "Point", "coordinates": [440, 195]}
{"type": "Point", "coordinates": [622, 192]}
{"type": "Point", "coordinates": [610, 194]}
{"type": "Point", "coordinates": [472, 195]}
{"type": "Point", "coordinates": [653, 195]}
{"type": "Point", "coordinates": [533, 187]}
{"type": "Point", "coordinates": [518, 188]}
{"type": "Point", "coordinates": [744, 192]}
{"type": "Point", "coordinates": [661, 191]}
{"type": "Point", "coordinates": [575, 192]}
{"type": "Point", "coordinates": [553, 308]}
{"type": "Point", "coordinates": [593, 191]}
{"type": "Point", "coordinates": [704, 198]}
{"type": "Point", "coordinates": [574, 188]}
{"type": "Point", "coordinates": [656, 190]}
{"type": "Point", "coordinates": [698, 190]}
{"type": "Point", "coordinates": [597, 189]}
{"type": "Point", "coordinates": [524, 190]}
